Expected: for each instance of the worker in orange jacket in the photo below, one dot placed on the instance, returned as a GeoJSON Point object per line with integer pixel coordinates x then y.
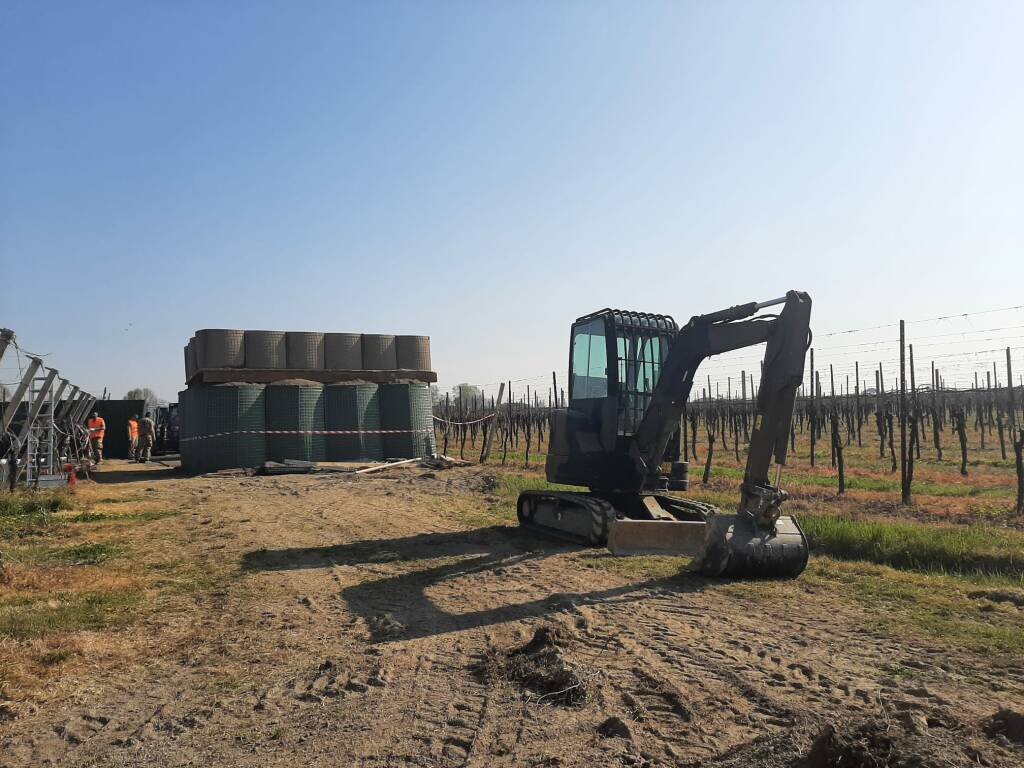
{"type": "Point", "coordinates": [97, 428]}
{"type": "Point", "coordinates": [133, 436]}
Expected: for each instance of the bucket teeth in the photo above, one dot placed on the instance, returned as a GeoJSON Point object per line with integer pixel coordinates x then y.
{"type": "Point", "coordinates": [736, 547]}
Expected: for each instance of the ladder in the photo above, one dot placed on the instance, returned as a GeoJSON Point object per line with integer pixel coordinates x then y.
{"type": "Point", "coordinates": [41, 460]}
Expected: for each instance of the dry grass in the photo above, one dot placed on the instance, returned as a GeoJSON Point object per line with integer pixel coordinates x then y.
{"type": "Point", "coordinates": [78, 569]}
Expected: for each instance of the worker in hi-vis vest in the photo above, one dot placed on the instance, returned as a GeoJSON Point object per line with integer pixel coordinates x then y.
{"type": "Point", "coordinates": [97, 428]}
{"type": "Point", "coordinates": [133, 436]}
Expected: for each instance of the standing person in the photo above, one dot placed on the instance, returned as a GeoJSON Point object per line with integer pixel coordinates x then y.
{"type": "Point", "coordinates": [133, 436]}
{"type": "Point", "coordinates": [97, 428]}
{"type": "Point", "coordinates": [147, 436]}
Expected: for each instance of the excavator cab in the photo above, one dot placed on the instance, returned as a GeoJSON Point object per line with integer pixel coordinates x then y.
{"type": "Point", "coordinates": [616, 357]}
{"type": "Point", "coordinates": [630, 375]}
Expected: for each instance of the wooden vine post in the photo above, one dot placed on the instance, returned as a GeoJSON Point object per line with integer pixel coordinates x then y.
{"type": "Point", "coordinates": [493, 427]}
{"type": "Point", "coordinates": [904, 477]}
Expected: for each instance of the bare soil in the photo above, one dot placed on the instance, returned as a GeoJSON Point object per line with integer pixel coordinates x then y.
{"type": "Point", "coordinates": [373, 621]}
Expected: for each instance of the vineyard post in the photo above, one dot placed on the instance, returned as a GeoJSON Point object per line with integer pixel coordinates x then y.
{"type": "Point", "coordinates": [486, 452]}
{"type": "Point", "coordinates": [904, 481]}
{"type": "Point", "coordinates": [529, 426]}
{"type": "Point", "coordinates": [915, 416]}
{"type": "Point", "coordinates": [846, 409]}
{"type": "Point", "coordinates": [1018, 460]}
{"type": "Point", "coordinates": [935, 415]}
{"type": "Point", "coordinates": [686, 436]}
{"type": "Point", "coordinates": [856, 395]}
{"type": "Point", "coordinates": [832, 406]}
{"type": "Point", "coordinates": [837, 442]}
{"type": "Point", "coordinates": [746, 433]}
{"type": "Point", "coordinates": [881, 407]}
{"type": "Point", "coordinates": [961, 430]}
{"type": "Point", "coordinates": [1017, 437]}
{"type": "Point", "coordinates": [812, 413]}
{"type": "Point", "coordinates": [462, 418]}
{"type": "Point", "coordinates": [507, 436]}
{"type": "Point", "coordinates": [1011, 405]}
{"type": "Point", "coordinates": [709, 424]}
{"type": "Point", "coordinates": [447, 419]}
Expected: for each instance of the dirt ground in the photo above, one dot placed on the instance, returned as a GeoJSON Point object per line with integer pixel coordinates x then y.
{"type": "Point", "coordinates": [374, 621]}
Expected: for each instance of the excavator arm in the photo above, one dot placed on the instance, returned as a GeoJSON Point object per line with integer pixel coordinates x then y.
{"type": "Point", "coordinates": [787, 337]}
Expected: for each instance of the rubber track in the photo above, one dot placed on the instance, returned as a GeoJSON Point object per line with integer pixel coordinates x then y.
{"type": "Point", "coordinates": [601, 514]}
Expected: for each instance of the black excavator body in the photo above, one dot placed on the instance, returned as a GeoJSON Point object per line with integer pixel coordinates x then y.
{"type": "Point", "coordinates": [630, 375]}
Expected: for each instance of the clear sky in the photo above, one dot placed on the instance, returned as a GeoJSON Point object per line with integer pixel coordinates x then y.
{"type": "Point", "coordinates": [484, 173]}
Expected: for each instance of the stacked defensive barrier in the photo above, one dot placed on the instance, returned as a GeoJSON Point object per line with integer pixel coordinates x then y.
{"type": "Point", "coordinates": [353, 419]}
{"type": "Point", "coordinates": [254, 396]}
{"type": "Point", "coordinates": [214, 349]}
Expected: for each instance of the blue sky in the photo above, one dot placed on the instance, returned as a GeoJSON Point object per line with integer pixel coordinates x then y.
{"type": "Point", "coordinates": [484, 173]}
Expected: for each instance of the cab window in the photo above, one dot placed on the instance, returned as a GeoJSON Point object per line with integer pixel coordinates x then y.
{"type": "Point", "coordinates": [589, 361]}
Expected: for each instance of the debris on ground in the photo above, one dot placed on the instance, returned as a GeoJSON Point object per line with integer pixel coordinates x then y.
{"type": "Point", "coordinates": [385, 625]}
{"type": "Point", "coordinates": [443, 462]}
{"type": "Point", "coordinates": [299, 467]}
{"type": "Point", "coordinates": [615, 728]}
{"type": "Point", "coordinates": [877, 742]}
{"type": "Point", "coordinates": [541, 668]}
{"type": "Point", "coordinates": [1006, 723]}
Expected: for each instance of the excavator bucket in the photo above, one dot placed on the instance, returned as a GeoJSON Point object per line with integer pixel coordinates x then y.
{"type": "Point", "coordinates": [735, 547]}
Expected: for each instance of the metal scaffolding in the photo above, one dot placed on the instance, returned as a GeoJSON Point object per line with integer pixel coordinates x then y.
{"type": "Point", "coordinates": [41, 426]}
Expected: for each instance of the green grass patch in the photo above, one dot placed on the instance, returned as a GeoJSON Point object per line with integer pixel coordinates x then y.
{"type": "Point", "coordinates": [511, 485]}
{"type": "Point", "coordinates": [496, 506]}
{"type": "Point", "coordinates": [929, 548]}
{"type": "Point", "coordinates": [30, 513]}
{"type": "Point", "coordinates": [96, 517]}
{"type": "Point", "coordinates": [88, 517]}
{"type": "Point", "coordinates": [29, 503]}
{"type": "Point", "coordinates": [23, 618]}
{"type": "Point", "coordinates": [933, 606]}
{"type": "Point", "coordinates": [85, 553]}
{"type": "Point", "coordinates": [881, 484]}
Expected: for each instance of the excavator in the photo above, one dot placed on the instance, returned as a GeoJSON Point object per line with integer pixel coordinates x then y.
{"type": "Point", "coordinates": [630, 376]}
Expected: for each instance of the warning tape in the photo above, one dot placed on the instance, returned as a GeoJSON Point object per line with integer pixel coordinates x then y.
{"type": "Point", "coordinates": [464, 423]}
{"type": "Point", "coordinates": [429, 430]}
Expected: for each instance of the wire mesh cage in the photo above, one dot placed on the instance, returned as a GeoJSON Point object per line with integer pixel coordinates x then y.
{"type": "Point", "coordinates": [353, 408]}
{"type": "Point", "coordinates": [406, 420]}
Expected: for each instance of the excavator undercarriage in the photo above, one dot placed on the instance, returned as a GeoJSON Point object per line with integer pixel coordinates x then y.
{"type": "Point", "coordinates": [630, 377]}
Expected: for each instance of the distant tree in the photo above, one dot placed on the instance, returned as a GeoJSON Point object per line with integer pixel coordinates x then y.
{"type": "Point", "coordinates": [143, 393]}
{"type": "Point", "coordinates": [435, 394]}
{"type": "Point", "coordinates": [467, 391]}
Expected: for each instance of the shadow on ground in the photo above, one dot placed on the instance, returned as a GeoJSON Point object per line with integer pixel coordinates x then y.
{"type": "Point", "coordinates": [149, 473]}
{"type": "Point", "coordinates": [399, 607]}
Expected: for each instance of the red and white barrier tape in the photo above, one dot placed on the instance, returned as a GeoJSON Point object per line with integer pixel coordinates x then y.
{"type": "Point", "coordinates": [464, 423]}
{"type": "Point", "coordinates": [310, 432]}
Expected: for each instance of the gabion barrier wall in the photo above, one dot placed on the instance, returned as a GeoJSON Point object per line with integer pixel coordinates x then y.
{"type": "Point", "coordinates": [219, 348]}
{"type": "Point", "coordinates": [264, 349]}
{"type": "Point", "coordinates": [241, 425]}
{"type": "Point", "coordinates": [296, 411]}
{"type": "Point", "coordinates": [406, 420]}
{"type": "Point", "coordinates": [354, 411]}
